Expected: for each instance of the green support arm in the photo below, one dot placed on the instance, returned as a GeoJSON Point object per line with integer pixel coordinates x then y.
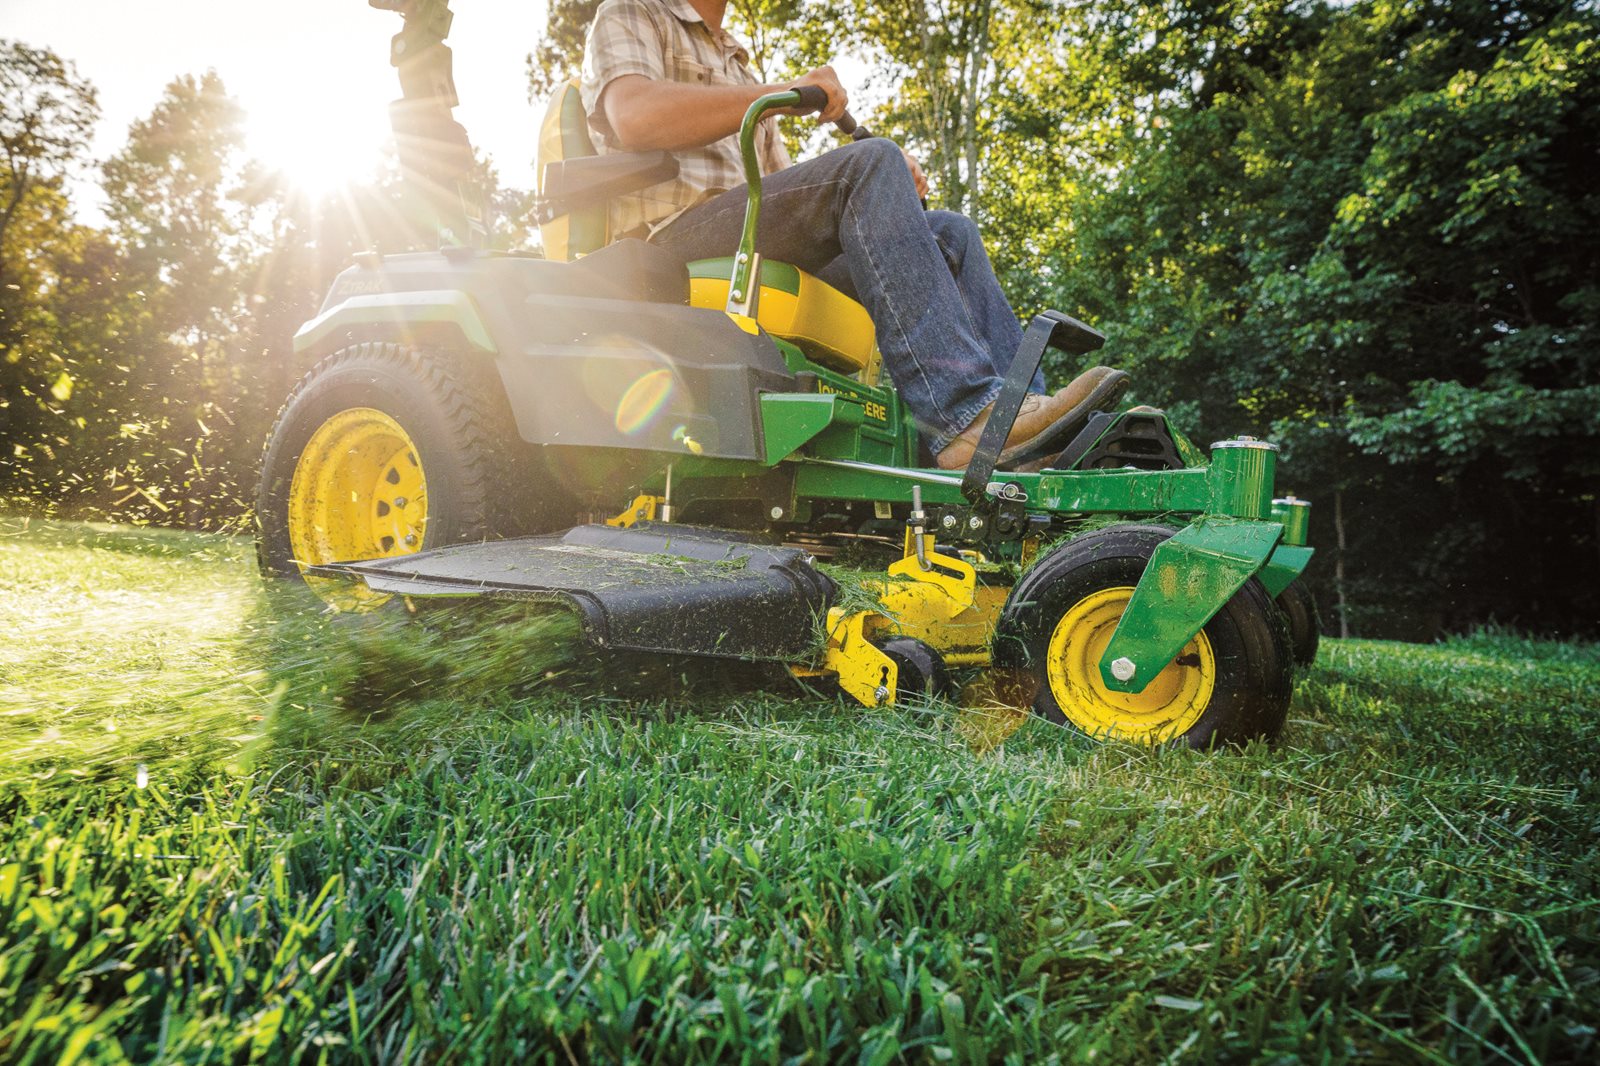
{"type": "Point", "coordinates": [1189, 579]}
{"type": "Point", "coordinates": [1287, 562]}
{"type": "Point", "coordinates": [1195, 573]}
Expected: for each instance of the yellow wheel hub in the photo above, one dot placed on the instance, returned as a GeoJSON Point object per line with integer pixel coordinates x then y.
{"type": "Point", "coordinates": [1168, 707]}
{"type": "Point", "coordinates": [358, 493]}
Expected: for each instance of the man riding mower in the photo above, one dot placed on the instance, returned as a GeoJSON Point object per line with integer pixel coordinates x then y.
{"type": "Point", "coordinates": [664, 75]}
{"type": "Point", "coordinates": [474, 413]}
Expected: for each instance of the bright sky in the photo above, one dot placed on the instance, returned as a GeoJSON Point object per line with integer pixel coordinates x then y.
{"type": "Point", "coordinates": [313, 75]}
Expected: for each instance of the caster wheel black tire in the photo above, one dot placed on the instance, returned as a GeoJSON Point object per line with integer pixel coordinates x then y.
{"type": "Point", "coordinates": [1231, 683]}
{"type": "Point", "coordinates": [921, 670]}
{"type": "Point", "coordinates": [1299, 609]}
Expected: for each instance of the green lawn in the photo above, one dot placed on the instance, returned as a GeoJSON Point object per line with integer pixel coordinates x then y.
{"type": "Point", "coordinates": [236, 828]}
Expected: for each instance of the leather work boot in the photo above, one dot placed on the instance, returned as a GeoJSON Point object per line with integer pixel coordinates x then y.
{"type": "Point", "coordinates": [1098, 389]}
{"type": "Point", "coordinates": [1039, 415]}
{"type": "Point", "coordinates": [1035, 466]}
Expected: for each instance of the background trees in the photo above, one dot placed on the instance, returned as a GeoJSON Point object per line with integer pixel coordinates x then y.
{"type": "Point", "coordinates": [46, 115]}
{"type": "Point", "coordinates": [1363, 229]}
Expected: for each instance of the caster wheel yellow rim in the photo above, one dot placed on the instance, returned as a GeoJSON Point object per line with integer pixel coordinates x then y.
{"type": "Point", "coordinates": [1168, 707]}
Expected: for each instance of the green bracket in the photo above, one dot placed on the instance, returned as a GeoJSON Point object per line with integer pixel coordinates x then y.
{"type": "Point", "coordinates": [1287, 562]}
{"type": "Point", "coordinates": [1189, 578]}
{"type": "Point", "coordinates": [789, 420]}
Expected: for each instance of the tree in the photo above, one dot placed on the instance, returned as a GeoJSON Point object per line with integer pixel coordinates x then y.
{"type": "Point", "coordinates": [559, 53]}
{"type": "Point", "coordinates": [178, 209]}
{"type": "Point", "coordinates": [943, 61]}
{"type": "Point", "coordinates": [46, 116]}
{"type": "Point", "coordinates": [1308, 221]}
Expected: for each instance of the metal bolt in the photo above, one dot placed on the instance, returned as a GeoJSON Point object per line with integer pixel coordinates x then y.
{"type": "Point", "coordinates": [738, 294]}
{"type": "Point", "coordinates": [776, 513]}
{"type": "Point", "coordinates": [880, 693]}
{"type": "Point", "coordinates": [1123, 669]}
{"type": "Point", "coordinates": [744, 258]}
{"type": "Point", "coordinates": [400, 501]}
{"type": "Point", "coordinates": [974, 522]}
{"type": "Point", "coordinates": [411, 539]}
{"type": "Point", "coordinates": [948, 521]}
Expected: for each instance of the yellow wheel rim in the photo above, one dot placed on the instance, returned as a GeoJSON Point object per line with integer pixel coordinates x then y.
{"type": "Point", "coordinates": [358, 493]}
{"type": "Point", "coordinates": [1168, 707]}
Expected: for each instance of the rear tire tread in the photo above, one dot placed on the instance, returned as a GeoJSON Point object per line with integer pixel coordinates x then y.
{"type": "Point", "coordinates": [488, 478]}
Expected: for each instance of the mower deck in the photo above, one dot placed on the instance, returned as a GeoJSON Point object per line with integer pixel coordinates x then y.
{"type": "Point", "coordinates": [658, 588]}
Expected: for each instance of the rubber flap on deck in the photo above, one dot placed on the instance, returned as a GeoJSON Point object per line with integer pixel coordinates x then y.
{"type": "Point", "coordinates": [654, 587]}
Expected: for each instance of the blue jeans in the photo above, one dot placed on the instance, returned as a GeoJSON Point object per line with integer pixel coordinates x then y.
{"type": "Point", "coordinates": [852, 218]}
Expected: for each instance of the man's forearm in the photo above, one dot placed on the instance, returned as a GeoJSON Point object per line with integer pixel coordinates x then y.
{"type": "Point", "coordinates": [647, 115]}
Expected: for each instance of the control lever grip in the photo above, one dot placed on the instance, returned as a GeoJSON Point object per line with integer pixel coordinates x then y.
{"type": "Point", "coordinates": [812, 98]}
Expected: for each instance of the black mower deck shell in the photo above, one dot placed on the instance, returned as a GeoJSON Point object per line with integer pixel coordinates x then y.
{"type": "Point", "coordinates": [658, 588]}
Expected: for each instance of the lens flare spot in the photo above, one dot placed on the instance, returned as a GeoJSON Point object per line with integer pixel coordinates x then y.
{"type": "Point", "coordinates": [680, 435]}
{"type": "Point", "coordinates": [643, 401]}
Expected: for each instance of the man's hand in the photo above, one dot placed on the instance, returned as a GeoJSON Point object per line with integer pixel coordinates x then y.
{"type": "Point", "coordinates": [917, 176]}
{"type": "Point", "coordinates": [825, 79]}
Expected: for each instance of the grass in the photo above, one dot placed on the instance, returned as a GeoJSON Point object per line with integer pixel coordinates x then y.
{"type": "Point", "coordinates": [235, 828]}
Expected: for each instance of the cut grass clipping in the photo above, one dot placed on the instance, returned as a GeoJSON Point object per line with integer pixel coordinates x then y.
{"type": "Point", "coordinates": [339, 848]}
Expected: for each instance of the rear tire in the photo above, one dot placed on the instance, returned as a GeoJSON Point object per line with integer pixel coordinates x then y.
{"type": "Point", "coordinates": [1299, 609]}
{"type": "Point", "coordinates": [371, 421]}
{"type": "Point", "coordinates": [1231, 682]}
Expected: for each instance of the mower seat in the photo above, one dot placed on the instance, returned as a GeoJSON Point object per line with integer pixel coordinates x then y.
{"type": "Point", "coordinates": [828, 326]}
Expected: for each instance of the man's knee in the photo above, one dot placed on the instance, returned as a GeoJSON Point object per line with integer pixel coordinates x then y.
{"type": "Point", "coordinates": [954, 231]}
{"type": "Point", "coordinates": [875, 156]}
{"type": "Point", "coordinates": [953, 223]}
{"type": "Point", "coordinates": [875, 151]}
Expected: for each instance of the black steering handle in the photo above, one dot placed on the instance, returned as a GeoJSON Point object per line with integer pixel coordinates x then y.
{"type": "Point", "coordinates": [815, 98]}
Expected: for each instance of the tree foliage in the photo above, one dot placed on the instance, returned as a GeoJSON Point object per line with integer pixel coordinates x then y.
{"type": "Point", "coordinates": [46, 115]}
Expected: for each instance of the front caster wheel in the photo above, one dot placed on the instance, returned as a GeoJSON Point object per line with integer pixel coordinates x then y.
{"type": "Point", "coordinates": [921, 670]}
{"type": "Point", "coordinates": [1229, 684]}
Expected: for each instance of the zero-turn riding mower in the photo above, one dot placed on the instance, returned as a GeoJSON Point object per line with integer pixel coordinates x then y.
{"type": "Point", "coordinates": [473, 413]}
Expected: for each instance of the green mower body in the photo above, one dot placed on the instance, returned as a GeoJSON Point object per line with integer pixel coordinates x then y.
{"type": "Point", "coordinates": [625, 385]}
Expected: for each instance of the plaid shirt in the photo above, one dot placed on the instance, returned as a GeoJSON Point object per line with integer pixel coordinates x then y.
{"type": "Point", "coordinates": [667, 40]}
